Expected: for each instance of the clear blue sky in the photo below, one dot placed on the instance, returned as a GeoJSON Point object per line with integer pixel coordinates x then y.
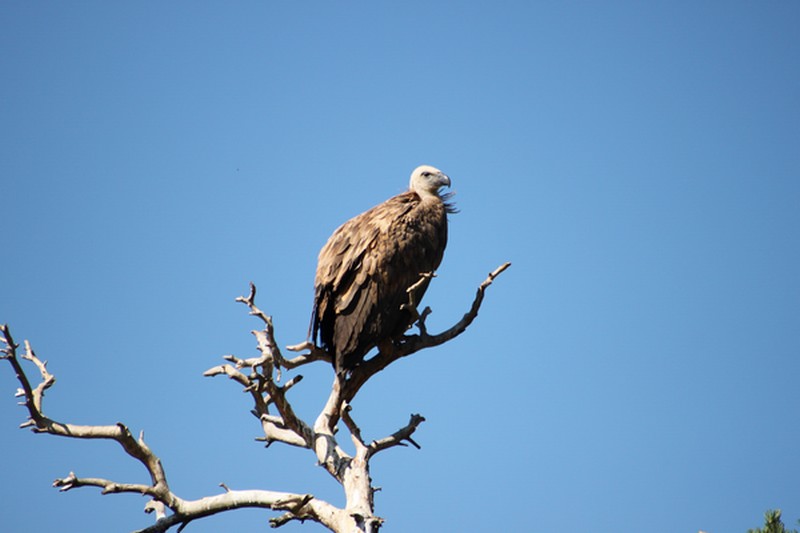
{"type": "Point", "coordinates": [638, 162]}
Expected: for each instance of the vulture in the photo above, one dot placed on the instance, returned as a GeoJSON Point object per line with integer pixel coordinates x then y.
{"type": "Point", "coordinates": [367, 265]}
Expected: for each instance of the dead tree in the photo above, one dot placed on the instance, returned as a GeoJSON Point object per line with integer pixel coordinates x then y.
{"type": "Point", "coordinates": [261, 377]}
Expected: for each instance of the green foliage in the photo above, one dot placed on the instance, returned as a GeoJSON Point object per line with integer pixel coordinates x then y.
{"type": "Point", "coordinates": [772, 524]}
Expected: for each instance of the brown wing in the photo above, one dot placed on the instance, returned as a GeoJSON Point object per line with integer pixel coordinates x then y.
{"type": "Point", "coordinates": [365, 268]}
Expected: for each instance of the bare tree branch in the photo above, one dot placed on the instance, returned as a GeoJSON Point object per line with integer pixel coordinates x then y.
{"type": "Point", "coordinates": [416, 343]}
{"type": "Point", "coordinates": [232, 372]}
{"type": "Point", "coordinates": [315, 354]}
{"type": "Point", "coordinates": [279, 423]}
{"type": "Point", "coordinates": [397, 438]}
{"type": "Point", "coordinates": [42, 424]}
{"type": "Point", "coordinates": [352, 427]}
{"type": "Point", "coordinates": [301, 506]}
{"type": "Point", "coordinates": [262, 382]}
{"type": "Point", "coordinates": [72, 482]}
{"type": "Point", "coordinates": [410, 344]}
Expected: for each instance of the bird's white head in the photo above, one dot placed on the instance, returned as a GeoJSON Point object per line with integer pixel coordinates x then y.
{"type": "Point", "coordinates": [427, 181]}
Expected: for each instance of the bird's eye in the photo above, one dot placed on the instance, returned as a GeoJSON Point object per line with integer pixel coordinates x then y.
{"type": "Point", "coordinates": [426, 174]}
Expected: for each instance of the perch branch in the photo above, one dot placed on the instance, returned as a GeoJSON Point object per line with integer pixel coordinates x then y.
{"type": "Point", "coordinates": [418, 342]}
{"type": "Point", "coordinates": [409, 344]}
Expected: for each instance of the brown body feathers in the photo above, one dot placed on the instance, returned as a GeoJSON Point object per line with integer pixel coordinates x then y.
{"type": "Point", "coordinates": [370, 261]}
